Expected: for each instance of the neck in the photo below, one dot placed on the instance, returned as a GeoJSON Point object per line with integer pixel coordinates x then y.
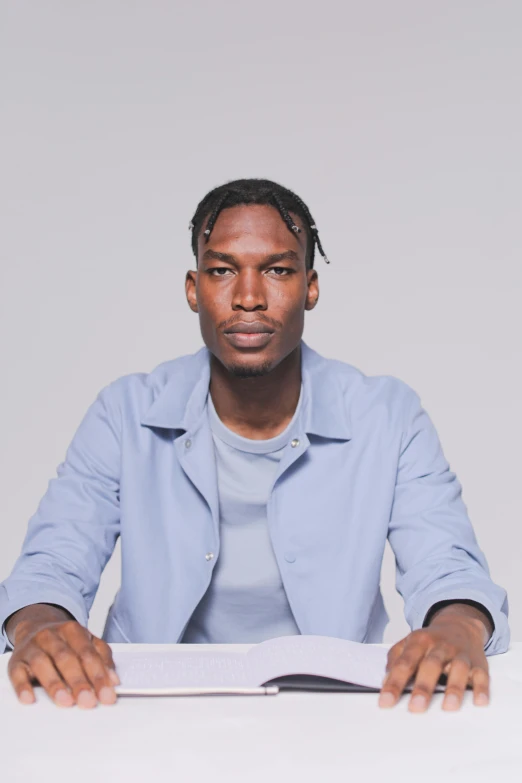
{"type": "Point", "coordinates": [259, 407]}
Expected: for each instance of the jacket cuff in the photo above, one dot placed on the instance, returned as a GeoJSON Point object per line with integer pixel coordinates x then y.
{"type": "Point", "coordinates": [27, 596]}
{"type": "Point", "coordinates": [420, 607]}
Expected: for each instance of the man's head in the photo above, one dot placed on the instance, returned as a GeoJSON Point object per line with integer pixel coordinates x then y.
{"type": "Point", "coordinates": [254, 245]}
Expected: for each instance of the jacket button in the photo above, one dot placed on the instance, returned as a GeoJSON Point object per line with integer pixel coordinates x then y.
{"type": "Point", "coordinates": [188, 444]}
{"type": "Point", "coordinates": [290, 557]}
{"type": "Point", "coordinates": [209, 555]}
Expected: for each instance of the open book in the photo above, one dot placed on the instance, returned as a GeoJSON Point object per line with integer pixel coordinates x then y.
{"type": "Point", "coordinates": [304, 662]}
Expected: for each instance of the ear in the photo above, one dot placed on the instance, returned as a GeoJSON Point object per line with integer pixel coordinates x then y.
{"type": "Point", "coordinates": [190, 290]}
{"type": "Point", "coordinates": [312, 293]}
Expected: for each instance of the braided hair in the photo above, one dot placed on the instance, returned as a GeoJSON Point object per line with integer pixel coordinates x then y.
{"type": "Point", "coordinates": [256, 191]}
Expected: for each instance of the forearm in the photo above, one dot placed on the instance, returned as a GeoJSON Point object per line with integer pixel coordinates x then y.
{"type": "Point", "coordinates": [33, 616]}
{"type": "Point", "coordinates": [471, 616]}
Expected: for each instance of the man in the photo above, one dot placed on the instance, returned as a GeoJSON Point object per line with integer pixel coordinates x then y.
{"type": "Point", "coordinates": [254, 485]}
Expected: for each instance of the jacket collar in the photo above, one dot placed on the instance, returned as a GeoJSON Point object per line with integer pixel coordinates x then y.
{"type": "Point", "coordinates": [180, 401]}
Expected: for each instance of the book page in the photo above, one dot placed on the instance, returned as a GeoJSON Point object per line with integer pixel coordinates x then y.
{"type": "Point", "coordinates": [339, 659]}
{"type": "Point", "coordinates": [160, 670]}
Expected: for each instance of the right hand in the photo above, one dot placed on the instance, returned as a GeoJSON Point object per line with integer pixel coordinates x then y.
{"type": "Point", "coordinates": [72, 665]}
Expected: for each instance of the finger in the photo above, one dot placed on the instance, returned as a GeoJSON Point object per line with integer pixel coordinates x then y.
{"type": "Point", "coordinates": [458, 678]}
{"type": "Point", "coordinates": [42, 669]}
{"type": "Point", "coordinates": [67, 663]}
{"type": "Point", "coordinates": [401, 672]}
{"type": "Point", "coordinates": [428, 675]}
{"type": "Point", "coordinates": [21, 681]}
{"type": "Point", "coordinates": [105, 653]}
{"type": "Point", "coordinates": [394, 653]}
{"type": "Point", "coordinates": [100, 684]}
{"type": "Point", "coordinates": [480, 682]}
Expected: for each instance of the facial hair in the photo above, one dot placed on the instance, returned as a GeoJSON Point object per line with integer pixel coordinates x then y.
{"type": "Point", "coordinates": [245, 371]}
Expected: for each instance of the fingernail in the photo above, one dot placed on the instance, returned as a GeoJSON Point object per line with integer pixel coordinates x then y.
{"type": "Point", "coordinates": [86, 699]}
{"type": "Point", "coordinates": [114, 677]}
{"type": "Point", "coordinates": [107, 695]}
{"type": "Point", "coordinates": [63, 698]}
{"type": "Point", "coordinates": [26, 697]}
{"type": "Point", "coordinates": [386, 699]}
{"type": "Point", "coordinates": [418, 702]}
{"type": "Point", "coordinates": [482, 699]}
{"type": "Point", "coordinates": [451, 702]}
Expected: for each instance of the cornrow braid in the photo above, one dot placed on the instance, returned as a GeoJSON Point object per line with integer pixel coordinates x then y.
{"type": "Point", "coordinates": [312, 225]}
{"type": "Point", "coordinates": [214, 215]}
{"type": "Point", "coordinates": [284, 214]}
{"type": "Point", "coordinates": [256, 191]}
{"type": "Point", "coordinates": [319, 245]}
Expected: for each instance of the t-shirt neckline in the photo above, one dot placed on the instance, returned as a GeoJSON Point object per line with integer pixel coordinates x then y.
{"type": "Point", "coordinates": [236, 441]}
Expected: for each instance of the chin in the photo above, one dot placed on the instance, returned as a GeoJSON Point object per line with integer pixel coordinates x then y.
{"type": "Point", "coordinates": [249, 369]}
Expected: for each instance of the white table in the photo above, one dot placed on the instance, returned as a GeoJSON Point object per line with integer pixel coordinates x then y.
{"type": "Point", "coordinates": [294, 736]}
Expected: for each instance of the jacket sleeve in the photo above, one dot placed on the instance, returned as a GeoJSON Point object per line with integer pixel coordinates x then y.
{"type": "Point", "coordinates": [72, 535]}
{"type": "Point", "coordinates": [436, 551]}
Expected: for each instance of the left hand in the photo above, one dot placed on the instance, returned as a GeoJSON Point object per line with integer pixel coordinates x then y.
{"type": "Point", "coordinates": [452, 644]}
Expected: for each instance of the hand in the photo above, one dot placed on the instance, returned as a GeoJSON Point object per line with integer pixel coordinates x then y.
{"type": "Point", "coordinates": [452, 644]}
{"type": "Point", "coordinates": [72, 665]}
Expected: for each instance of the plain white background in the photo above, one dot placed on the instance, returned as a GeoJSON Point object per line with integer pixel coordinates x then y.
{"type": "Point", "coordinates": [398, 122]}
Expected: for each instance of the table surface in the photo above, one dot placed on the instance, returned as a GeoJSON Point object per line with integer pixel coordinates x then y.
{"type": "Point", "coordinates": [294, 736]}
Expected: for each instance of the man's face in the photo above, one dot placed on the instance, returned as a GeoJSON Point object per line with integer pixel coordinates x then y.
{"type": "Point", "coordinates": [251, 289]}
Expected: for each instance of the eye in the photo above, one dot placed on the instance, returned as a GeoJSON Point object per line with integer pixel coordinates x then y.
{"type": "Point", "coordinates": [218, 271]}
{"type": "Point", "coordinates": [281, 271]}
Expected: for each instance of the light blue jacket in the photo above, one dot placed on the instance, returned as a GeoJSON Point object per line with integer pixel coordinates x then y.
{"type": "Point", "coordinates": [368, 466]}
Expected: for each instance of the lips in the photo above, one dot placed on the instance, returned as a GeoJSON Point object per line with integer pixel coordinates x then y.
{"type": "Point", "coordinates": [243, 327]}
{"type": "Point", "coordinates": [249, 335]}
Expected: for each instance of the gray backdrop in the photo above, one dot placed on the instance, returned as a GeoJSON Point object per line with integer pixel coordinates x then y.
{"type": "Point", "coordinates": [398, 121]}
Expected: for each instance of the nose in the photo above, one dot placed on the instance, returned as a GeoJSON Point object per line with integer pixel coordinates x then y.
{"type": "Point", "coordinates": [249, 293]}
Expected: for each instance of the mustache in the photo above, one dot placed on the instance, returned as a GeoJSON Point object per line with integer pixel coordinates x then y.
{"type": "Point", "coordinates": [271, 322]}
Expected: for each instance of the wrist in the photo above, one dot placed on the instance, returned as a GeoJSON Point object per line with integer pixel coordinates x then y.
{"type": "Point", "coordinates": [27, 621]}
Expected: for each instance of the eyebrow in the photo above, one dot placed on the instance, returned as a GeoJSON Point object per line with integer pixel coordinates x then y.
{"type": "Point", "coordinates": [287, 255]}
